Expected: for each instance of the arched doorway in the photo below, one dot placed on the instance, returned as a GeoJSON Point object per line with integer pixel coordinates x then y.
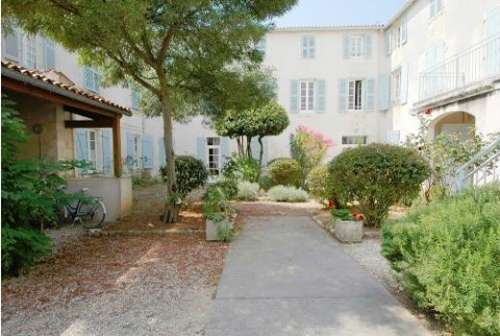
{"type": "Point", "coordinates": [461, 124]}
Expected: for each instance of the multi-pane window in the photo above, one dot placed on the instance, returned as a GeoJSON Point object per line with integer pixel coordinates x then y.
{"type": "Point", "coordinates": [396, 86]}
{"type": "Point", "coordinates": [354, 140]}
{"type": "Point", "coordinates": [31, 51]}
{"type": "Point", "coordinates": [356, 46]}
{"type": "Point", "coordinates": [92, 149]}
{"type": "Point", "coordinates": [91, 79]}
{"type": "Point", "coordinates": [355, 90]}
{"type": "Point", "coordinates": [435, 7]}
{"type": "Point", "coordinates": [308, 48]}
{"type": "Point", "coordinates": [306, 96]}
{"type": "Point", "coordinates": [213, 155]}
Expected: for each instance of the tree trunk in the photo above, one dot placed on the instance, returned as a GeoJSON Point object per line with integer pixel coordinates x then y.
{"type": "Point", "coordinates": [239, 141]}
{"type": "Point", "coordinates": [249, 146]}
{"type": "Point", "coordinates": [261, 156]}
{"type": "Point", "coordinates": [172, 206]}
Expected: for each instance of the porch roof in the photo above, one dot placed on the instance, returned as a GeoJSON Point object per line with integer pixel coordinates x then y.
{"type": "Point", "coordinates": [34, 82]}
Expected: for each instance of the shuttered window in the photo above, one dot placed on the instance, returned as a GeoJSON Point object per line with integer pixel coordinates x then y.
{"type": "Point", "coordinates": [306, 96]}
{"type": "Point", "coordinates": [435, 7]}
{"type": "Point", "coordinates": [91, 79]}
{"type": "Point", "coordinates": [30, 58]}
{"type": "Point", "coordinates": [308, 47]}
{"type": "Point", "coordinates": [136, 99]}
{"type": "Point", "coordinates": [354, 140]}
{"type": "Point", "coordinates": [49, 56]}
{"type": "Point", "coordinates": [355, 94]}
{"type": "Point", "coordinates": [147, 152]}
{"type": "Point", "coordinates": [213, 155]}
{"type": "Point", "coordinates": [12, 45]}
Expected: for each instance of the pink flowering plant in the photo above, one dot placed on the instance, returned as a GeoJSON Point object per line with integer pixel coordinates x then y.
{"type": "Point", "coordinates": [308, 147]}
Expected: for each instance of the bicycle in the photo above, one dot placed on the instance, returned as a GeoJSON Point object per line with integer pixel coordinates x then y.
{"type": "Point", "coordinates": [90, 212]}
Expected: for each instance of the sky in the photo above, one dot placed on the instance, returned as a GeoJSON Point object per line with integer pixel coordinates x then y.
{"type": "Point", "coordinates": [339, 12]}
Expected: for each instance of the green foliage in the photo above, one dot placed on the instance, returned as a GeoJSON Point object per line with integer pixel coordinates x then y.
{"type": "Point", "coordinates": [190, 174]}
{"type": "Point", "coordinates": [308, 148]}
{"type": "Point", "coordinates": [247, 191]}
{"type": "Point", "coordinates": [282, 193]}
{"type": "Point", "coordinates": [228, 186]}
{"type": "Point", "coordinates": [342, 214]}
{"type": "Point", "coordinates": [317, 183]}
{"type": "Point", "coordinates": [256, 121]}
{"type": "Point", "coordinates": [284, 172]}
{"type": "Point", "coordinates": [21, 247]}
{"type": "Point", "coordinates": [377, 176]}
{"type": "Point", "coordinates": [225, 231]}
{"type": "Point", "coordinates": [265, 182]}
{"type": "Point", "coordinates": [447, 254]}
{"type": "Point", "coordinates": [242, 168]}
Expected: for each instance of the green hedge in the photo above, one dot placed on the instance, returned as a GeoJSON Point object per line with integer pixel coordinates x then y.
{"type": "Point", "coordinates": [284, 172]}
{"type": "Point", "coordinates": [448, 256]}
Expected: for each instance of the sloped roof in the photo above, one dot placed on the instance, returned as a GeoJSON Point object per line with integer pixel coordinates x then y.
{"type": "Point", "coordinates": [329, 28]}
{"type": "Point", "coordinates": [55, 80]}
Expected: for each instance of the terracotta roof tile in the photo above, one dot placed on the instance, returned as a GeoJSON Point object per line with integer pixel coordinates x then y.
{"type": "Point", "coordinates": [36, 74]}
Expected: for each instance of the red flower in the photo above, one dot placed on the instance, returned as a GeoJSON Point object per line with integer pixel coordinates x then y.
{"type": "Point", "coordinates": [331, 204]}
{"type": "Point", "coordinates": [359, 217]}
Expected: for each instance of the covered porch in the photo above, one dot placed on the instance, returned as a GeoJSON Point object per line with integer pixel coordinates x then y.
{"type": "Point", "coordinates": [55, 111]}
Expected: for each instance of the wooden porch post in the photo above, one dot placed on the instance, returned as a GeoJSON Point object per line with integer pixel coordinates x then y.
{"type": "Point", "coordinates": [117, 147]}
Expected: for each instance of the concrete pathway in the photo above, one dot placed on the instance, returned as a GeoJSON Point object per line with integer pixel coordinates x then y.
{"type": "Point", "coordinates": [285, 276]}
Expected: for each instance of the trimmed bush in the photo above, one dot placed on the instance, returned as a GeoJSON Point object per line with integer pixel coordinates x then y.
{"type": "Point", "coordinates": [265, 182]}
{"type": "Point", "coordinates": [228, 186]}
{"type": "Point", "coordinates": [284, 172]}
{"type": "Point", "coordinates": [377, 176]}
{"type": "Point", "coordinates": [447, 254]}
{"type": "Point", "coordinates": [22, 247]}
{"type": "Point", "coordinates": [247, 191]}
{"type": "Point", "coordinates": [317, 183]}
{"type": "Point", "coordinates": [282, 193]}
{"type": "Point", "coordinates": [190, 174]}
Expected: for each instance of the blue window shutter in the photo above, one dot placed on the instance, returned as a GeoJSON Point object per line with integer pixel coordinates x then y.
{"type": "Point", "coordinates": [346, 46]}
{"type": "Point", "coordinates": [49, 56]}
{"type": "Point", "coordinates": [88, 80]}
{"type": "Point", "coordinates": [147, 151]}
{"type": "Point", "coordinates": [404, 30]}
{"type": "Point", "coordinates": [82, 149]}
{"type": "Point", "coordinates": [384, 92]}
{"type": "Point", "coordinates": [225, 149]}
{"type": "Point", "coordinates": [404, 84]}
{"type": "Point", "coordinates": [201, 149]}
{"type": "Point", "coordinates": [369, 95]}
{"type": "Point", "coordinates": [368, 45]}
{"type": "Point", "coordinates": [342, 95]}
{"type": "Point", "coordinates": [130, 160]}
{"type": "Point", "coordinates": [12, 45]}
{"type": "Point", "coordinates": [320, 96]}
{"type": "Point", "coordinates": [294, 96]}
{"type": "Point", "coordinates": [97, 81]}
{"type": "Point", "coordinates": [161, 146]}
{"type": "Point", "coordinates": [107, 157]}
{"type": "Point", "coordinates": [312, 45]}
{"type": "Point", "coordinates": [135, 99]}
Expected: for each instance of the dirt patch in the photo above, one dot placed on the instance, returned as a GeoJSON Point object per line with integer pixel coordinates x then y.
{"type": "Point", "coordinates": [264, 207]}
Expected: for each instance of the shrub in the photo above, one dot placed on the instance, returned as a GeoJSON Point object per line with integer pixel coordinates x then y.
{"type": "Point", "coordinates": [447, 254]}
{"type": "Point", "coordinates": [242, 168]}
{"type": "Point", "coordinates": [247, 191]}
{"type": "Point", "coordinates": [190, 174]}
{"type": "Point", "coordinates": [308, 148]}
{"type": "Point", "coordinates": [282, 193]}
{"type": "Point", "coordinates": [265, 182]}
{"type": "Point", "coordinates": [377, 176]}
{"type": "Point", "coordinates": [284, 172]}
{"type": "Point", "coordinates": [317, 183]}
{"type": "Point", "coordinates": [21, 247]}
{"type": "Point", "coordinates": [225, 231]}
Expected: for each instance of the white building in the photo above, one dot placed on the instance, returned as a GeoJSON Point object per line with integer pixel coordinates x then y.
{"type": "Point", "coordinates": [363, 84]}
{"type": "Point", "coordinates": [356, 84]}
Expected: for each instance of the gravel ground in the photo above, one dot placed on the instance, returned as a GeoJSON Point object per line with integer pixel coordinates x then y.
{"type": "Point", "coordinates": [145, 285]}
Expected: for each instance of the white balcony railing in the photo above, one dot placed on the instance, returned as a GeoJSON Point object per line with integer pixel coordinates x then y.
{"type": "Point", "coordinates": [472, 65]}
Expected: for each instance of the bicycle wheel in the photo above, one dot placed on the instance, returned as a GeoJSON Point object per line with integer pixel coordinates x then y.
{"type": "Point", "coordinates": [93, 215]}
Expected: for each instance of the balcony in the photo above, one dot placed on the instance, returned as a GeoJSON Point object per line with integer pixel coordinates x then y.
{"type": "Point", "coordinates": [468, 73]}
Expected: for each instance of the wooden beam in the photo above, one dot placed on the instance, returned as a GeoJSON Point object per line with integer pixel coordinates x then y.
{"type": "Point", "coordinates": [30, 90]}
{"type": "Point", "coordinates": [88, 123]}
{"type": "Point", "coordinates": [117, 147]}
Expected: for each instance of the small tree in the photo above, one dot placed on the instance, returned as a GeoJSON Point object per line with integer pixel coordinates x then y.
{"type": "Point", "coordinates": [257, 122]}
{"type": "Point", "coordinates": [377, 176]}
{"type": "Point", "coordinates": [181, 52]}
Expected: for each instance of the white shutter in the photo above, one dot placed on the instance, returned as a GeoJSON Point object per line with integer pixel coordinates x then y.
{"type": "Point", "coordinates": [404, 84]}
{"type": "Point", "coordinates": [294, 96]}
{"type": "Point", "coordinates": [404, 30]}
{"type": "Point", "coordinates": [384, 92]}
{"type": "Point", "coordinates": [12, 45]}
{"type": "Point", "coordinates": [346, 46]}
{"type": "Point", "coordinates": [367, 44]}
{"type": "Point", "coordinates": [369, 95]}
{"type": "Point", "coordinates": [342, 95]}
{"type": "Point", "coordinates": [320, 96]}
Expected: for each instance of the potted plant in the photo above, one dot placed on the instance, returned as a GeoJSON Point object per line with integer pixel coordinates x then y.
{"type": "Point", "coordinates": [348, 228]}
{"type": "Point", "coordinates": [219, 216]}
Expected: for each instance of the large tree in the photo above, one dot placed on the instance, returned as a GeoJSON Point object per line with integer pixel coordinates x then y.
{"type": "Point", "coordinates": [182, 52]}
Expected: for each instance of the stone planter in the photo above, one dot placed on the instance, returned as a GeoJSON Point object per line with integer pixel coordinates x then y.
{"type": "Point", "coordinates": [349, 231]}
{"type": "Point", "coordinates": [212, 226]}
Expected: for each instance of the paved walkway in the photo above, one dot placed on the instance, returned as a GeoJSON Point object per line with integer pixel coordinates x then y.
{"type": "Point", "coordinates": [286, 276]}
